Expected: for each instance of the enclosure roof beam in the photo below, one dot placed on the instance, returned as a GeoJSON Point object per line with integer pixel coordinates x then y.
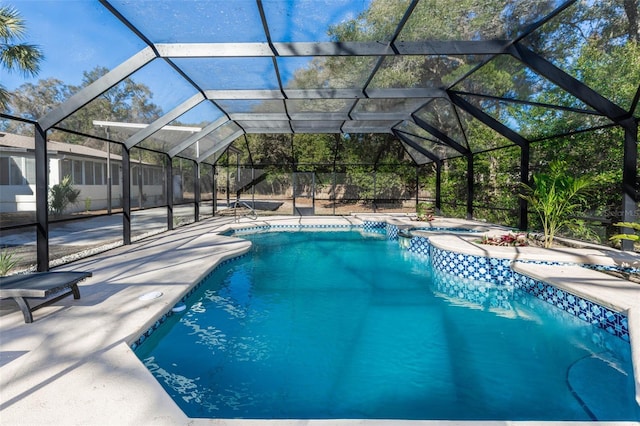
{"type": "Point", "coordinates": [328, 48]}
{"type": "Point", "coordinates": [196, 137]}
{"type": "Point", "coordinates": [576, 88]}
{"type": "Point", "coordinates": [397, 93]}
{"type": "Point", "coordinates": [525, 102]}
{"type": "Point", "coordinates": [220, 145]}
{"type": "Point", "coordinates": [440, 135]}
{"type": "Point", "coordinates": [417, 147]}
{"type": "Point", "coordinates": [163, 121]}
{"type": "Point", "coordinates": [488, 120]}
{"type": "Point", "coordinates": [96, 88]}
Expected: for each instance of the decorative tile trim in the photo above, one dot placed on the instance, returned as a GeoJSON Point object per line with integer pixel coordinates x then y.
{"type": "Point", "coordinates": [613, 322]}
{"type": "Point", "coordinates": [480, 293]}
{"type": "Point", "coordinates": [392, 231]}
{"type": "Point", "coordinates": [488, 269]}
{"type": "Point", "coordinates": [612, 268]}
{"type": "Point", "coordinates": [268, 228]}
{"type": "Point", "coordinates": [498, 271]}
{"type": "Point", "coordinates": [500, 298]}
{"type": "Point", "coordinates": [420, 245]}
{"type": "Point", "coordinates": [374, 227]}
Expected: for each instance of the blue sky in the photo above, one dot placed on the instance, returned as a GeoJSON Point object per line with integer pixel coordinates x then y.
{"type": "Point", "coordinates": [75, 36]}
{"type": "Point", "coordinates": [78, 35]}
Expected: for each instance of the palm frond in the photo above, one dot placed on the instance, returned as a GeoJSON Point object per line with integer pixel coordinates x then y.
{"type": "Point", "coordinates": [22, 57]}
{"type": "Point", "coordinates": [11, 23]}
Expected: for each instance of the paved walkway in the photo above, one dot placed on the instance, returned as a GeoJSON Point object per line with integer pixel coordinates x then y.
{"type": "Point", "coordinates": [73, 365]}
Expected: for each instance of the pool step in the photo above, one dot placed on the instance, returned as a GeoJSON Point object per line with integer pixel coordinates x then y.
{"type": "Point", "coordinates": [597, 383]}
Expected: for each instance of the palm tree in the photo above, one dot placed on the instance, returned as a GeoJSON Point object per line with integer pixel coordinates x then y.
{"type": "Point", "coordinates": [14, 55]}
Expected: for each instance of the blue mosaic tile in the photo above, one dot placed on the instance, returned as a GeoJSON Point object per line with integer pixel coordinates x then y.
{"type": "Point", "coordinates": [611, 321]}
{"type": "Point", "coordinates": [150, 330]}
{"type": "Point", "coordinates": [375, 227]}
{"type": "Point", "coordinates": [498, 271]}
{"type": "Point", "coordinates": [268, 228]}
{"type": "Point", "coordinates": [480, 293]}
{"type": "Point", "coordinates": [612, 268]}
{"type": "Point", "coordinates": [420, 245]}
{"type": "Point", "coordinates": [392, 231]}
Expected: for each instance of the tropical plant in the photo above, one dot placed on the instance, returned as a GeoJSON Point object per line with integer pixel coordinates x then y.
{"type": "Point", "coordinates": [556, 197]}
{"type": "Point", "coordinates": [510, 239]}
{"type": "Point", "coordinates": [424, 212]}
{"type": "Point", "coordinates": [635, 237]}
{"type": "Point", "coordinates": [15, 56]}
{"type": "Point", "coordinates": [61, 195]}
{"type": "Point", "coordinates": [7, 262]}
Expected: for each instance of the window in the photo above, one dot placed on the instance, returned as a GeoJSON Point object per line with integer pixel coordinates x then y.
{"type": "Point", "coordinates": [29, 170]}
{"type": "Point", "coordinates": [88, 173]}
{"type": "Point", "coordinates": [134, 175]}
{"type": "Point", "coordinates": [98, 173]}
{"type": "Point", "coordinates": [65, 168]}
{"type": "Point", "coordinates": [115, 174]}
{"type": "Point", "coordinates": [17, 170]}
{"type": "Point", "coordinates": [4, 170]}
{"type": "Point", "coordinates": [77, 172]}
{"type": "Point", "coordinates": [146, 173]}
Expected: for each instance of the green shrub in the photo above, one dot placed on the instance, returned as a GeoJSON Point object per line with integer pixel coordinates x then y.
{"type": "Point", "coordinates": [7, 262]}
{"type": "Point", "coordinates": [556, 197]}
{"type": "Point", "coordinates": [61, 195]}
{"type": "Point", "coordinates": [424, 212]}
{"type": "Point", "coordinates": [632, 237]}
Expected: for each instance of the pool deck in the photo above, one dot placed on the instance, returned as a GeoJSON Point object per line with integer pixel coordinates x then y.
{"type": "Point", "coordinates": [73, 364]}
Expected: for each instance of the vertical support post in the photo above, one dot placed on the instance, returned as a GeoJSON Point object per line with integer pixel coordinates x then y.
{"type": "Point", "coordinates": [334, 185]}
{"type": "Point", "coordinates": [228, 183]}
{"type": "Point", "coordinates": [470, 194]}
{"type": "Point", "coordinates": [140, 176]}
{"type": "Point", "coordinates": [523, 217]}
{"type": "Point", "coordinates": [169, 189]}
{"type": "Point", "coordinates": [253, 187]}
{"type": "Point", "coordinates": [42, 207]}
{"type": "Point", "coordinates": [238, 184]}
{"type": "Point", "coordinates": [126, 196]}
{"type": "Point", "coordinates": [375, 175]}
{"type": "Point", "coordinates": [417, 186]}
{"type": "Point", "coordinates": [438, 187]}
{"type": "Point", "coordinates": [293, 192]}
{"type": "Point", "coordinates": [214, 189]}
{"type": "Point", "coordinates": [196, 189]}
{"type": "Point", "coordinates": [313, 192]}
{"type": "Point", "coordinates": [109, 179]}
{"type": "Point", "coordinates": [629, 178]}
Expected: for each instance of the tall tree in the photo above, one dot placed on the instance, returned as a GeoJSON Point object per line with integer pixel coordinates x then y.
{"type": "Point", "coordinates": [15, 55]}
{"type": "Point", "coordinates": [128, 102]}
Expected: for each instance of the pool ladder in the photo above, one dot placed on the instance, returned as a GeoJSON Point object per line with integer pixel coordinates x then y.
{"type": "Point", "coordinates": [251, 212]}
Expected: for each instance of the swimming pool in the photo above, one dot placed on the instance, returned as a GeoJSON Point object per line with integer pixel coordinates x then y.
{"type": "Point", "coordinates": [345, 325]}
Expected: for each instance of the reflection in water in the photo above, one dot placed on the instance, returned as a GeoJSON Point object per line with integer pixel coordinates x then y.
{"type": "Point", "coordinates": [313, 347]}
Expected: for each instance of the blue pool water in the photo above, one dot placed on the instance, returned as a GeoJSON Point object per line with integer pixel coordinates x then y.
{"type": "Point", "coordinates": [341, 325]}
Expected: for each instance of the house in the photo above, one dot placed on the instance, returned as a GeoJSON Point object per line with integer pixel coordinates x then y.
{"type": "Point", "coordinates": [92, 171]}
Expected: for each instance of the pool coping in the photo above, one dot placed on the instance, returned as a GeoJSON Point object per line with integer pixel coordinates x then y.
{"type": "Point", "coordinates": [74, 365]}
